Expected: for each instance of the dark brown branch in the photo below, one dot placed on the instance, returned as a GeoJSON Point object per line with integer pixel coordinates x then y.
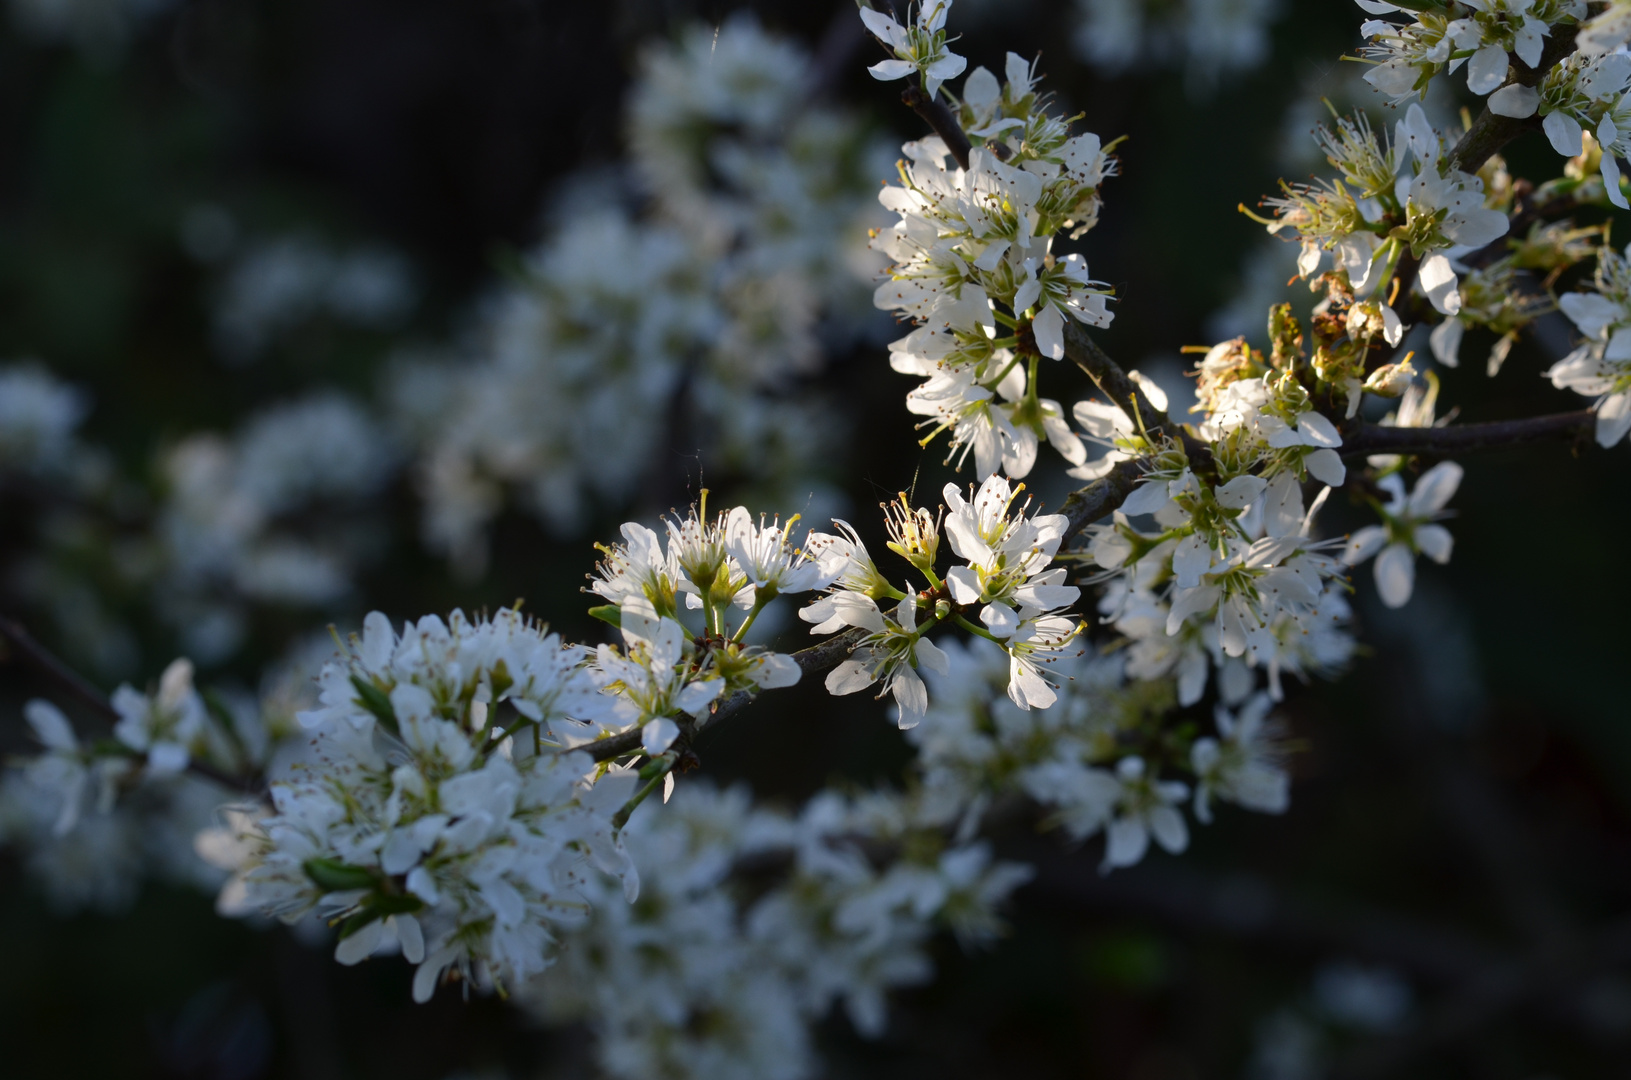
{"type": "Point", "coordinates": [935, 113]}
{"type": "Point", "coordinates": [1107, 375]}
{"type": "Point", "coordinates": [1490, 132]}
{"type": "Point", "coordinates": [616, 746]}
{"type": "Point", "coordinates": [22, 646]}
{"type": "Point", "coordinates": [1114, 383]}
{"type": "Point", "coordinates": [1099, 499]}
{"type": "Point", "coordinates": [1465, 438]}
{"type": "Point", "coordinates": [818, 658]}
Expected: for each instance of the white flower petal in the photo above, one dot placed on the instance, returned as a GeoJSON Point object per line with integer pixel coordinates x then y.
{"type": "Point", "coordinates": [1445, 341]}
{"type": "Point", "coordinates": [889, 70]}
{"type": "Point", "coordinates": [1564, 132]}
{"type": "Point", "coordinates": [50, 726]}
{"type": "Point", "coordinates": [1240, 492]}
{"type": "Point", "coordinates": [1517, 101]}
{"type": "Point", "coordinates": [1363, 544]}
{"type": "Point", "coordinates": [1326, 466]}
{"type": "Point", "coordinates": [1435, 489]}
{"type": "Point", "coordinates": [1487, 69]}
{"type": "Point", "coordinates": [848, 677]}
{"type": "Point", "coordinates": [1147, 498]}
{"type": "Point", "coordinates": [1439, 282]}
{"type": "Point", "coordinates": [1435, 542]}
{"type": "Point", "coordinates": [658, 735]}
{"type": "Point", "coordinates": [361, 945]}
{"type": "Point", "coordinates": [1395, 575]}
{"type": "Point", "coordinates": [1613, 418]}
{"type": "Point", "coordinates": [1049, 328]}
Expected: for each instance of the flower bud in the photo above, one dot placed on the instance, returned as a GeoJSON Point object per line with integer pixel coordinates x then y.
{"type": "Point", "coordinates": [1391, 380]}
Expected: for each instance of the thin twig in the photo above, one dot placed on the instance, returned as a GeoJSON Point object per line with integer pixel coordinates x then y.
{"type": "Point", "coordinates": [1123, 392]}
{"type": "Point", "coordinates": [935, 113]}
{"type": "Point", "coordinates": [1099, 499]}
{"type": "Point", "coordinates": [1465, 438]}
{"type": "Point", "coordinates": [818, 658]}
{"type": "Point", "coordinates": [23, 647]}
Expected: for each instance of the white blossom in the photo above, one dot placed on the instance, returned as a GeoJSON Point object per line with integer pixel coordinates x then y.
{"type": "Point", "coordinates": [1411, 526]}
{"type": "Point", "coordinates": [1243, 764]}
{"type": "Point", "coordinates": [920, 46]}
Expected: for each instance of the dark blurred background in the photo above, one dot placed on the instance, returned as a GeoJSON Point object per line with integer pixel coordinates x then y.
{"type": "Point", "coordinates": [1448, 896]}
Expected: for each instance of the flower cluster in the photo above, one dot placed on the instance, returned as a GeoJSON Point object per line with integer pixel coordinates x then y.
{"type": "Point", "coordinates": [1441, 37]}
{"type": "Point", "coordinates": [1394, 196]}
{"type": "Point", "coordinates": [463, 791]}
{"type": "Point", "coordinates": [1005, 573]}
{"type": "Point", "coordinates": [426, 815]}
{"type": "Point", "coordinates": [1231, 576]}
{"type": "Point", "coordinates": [38, 417]}
{"type": "Point", "coordinates": [1600, 367]}
{"type": "Point", "coordinates": [706, 976]}
{"type": "Point", "coordinates": [97, 815]}
{"type": "Point", "coordinates": [971, 238]}
{"type": "Point", "coordinates": [236, 526]}
{"type": "Point", "coordinates": [717, 305]}
{"type": "Point", "coordinates": [919, 46]}
{"type": "Point", "coordinates": [1103, 759]}
{"type": "Point", "coordinates": [272, 287]}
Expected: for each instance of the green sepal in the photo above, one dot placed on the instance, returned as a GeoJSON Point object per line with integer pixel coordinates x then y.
{"type": "Point", "coordinates": [332, 875]}
{"type": "Point", "coordinates": [608, 613]}
{"type": "Point", "coordinates": [374, 700]}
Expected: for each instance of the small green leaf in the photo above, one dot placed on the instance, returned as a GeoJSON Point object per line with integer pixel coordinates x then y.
{"type": "Point", "coordinates": [656, 766]}
{"type": "Point", "coordinates": [608, 613]}
{"type": "Point", "coordinates": [374, 700]}
{"type": "Point", "coordinates": [332, 875]}
{"type": "Point", "coordinates": [359, 920]}
{"type": "Point", "coordinates": [223, 716]}
{"type": "Point", "coordinates": [393, 905]}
